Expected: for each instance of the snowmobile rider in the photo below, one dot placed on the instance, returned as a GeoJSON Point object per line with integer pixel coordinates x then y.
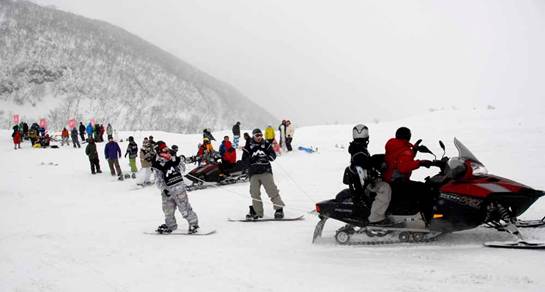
{"type": "Point", "coordinates": [399, 158]}
{"type": "Point", "coordinates": [228, 155]}
{"type": "Point", "coordinates": [169, 179]}
{"type": "Point", "coordinates": [259, 153]}
{"type": "Point", "coordinates": [206, 152]}
{"type": "Point", "coordinates": [364, 179]}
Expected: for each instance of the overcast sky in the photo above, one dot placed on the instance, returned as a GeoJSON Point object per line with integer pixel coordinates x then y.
{"type": "Point", "coordinates": [320, 62]}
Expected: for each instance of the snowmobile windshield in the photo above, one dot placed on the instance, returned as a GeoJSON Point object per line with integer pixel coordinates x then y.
{"type": "Point", "coordinates": [463, 152]}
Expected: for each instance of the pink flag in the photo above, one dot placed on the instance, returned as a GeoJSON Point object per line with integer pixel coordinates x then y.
{"type": "Point", "coordinates": [16, 119]}
{"type": "Point", "coordinates": [43, 123]}
{"type": "Point", "coordinates": [72, 123]}
{"type": "Point", "coordinates": [93, 121]}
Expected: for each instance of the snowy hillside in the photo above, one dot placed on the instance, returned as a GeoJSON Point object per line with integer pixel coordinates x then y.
{"type": "Point", "coordinates": [62, 229]}
{"type": "Point", "coordinates": [59, 66]}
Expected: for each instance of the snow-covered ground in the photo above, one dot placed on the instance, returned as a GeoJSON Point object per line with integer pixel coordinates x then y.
{"type": "Point", "coordinates": [62, 229]}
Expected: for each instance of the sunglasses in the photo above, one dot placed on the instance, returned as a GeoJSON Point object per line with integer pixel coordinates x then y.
{"type": "Point", "coordinates": [258, 135]}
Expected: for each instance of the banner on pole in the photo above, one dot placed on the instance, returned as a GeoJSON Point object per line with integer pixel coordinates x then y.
{"type": "Point", "coordinates": [43, 123]}
{"type": "Point", "coordinates": [16, 119]}
{"type": "Point", "coordinates": [72, 123]}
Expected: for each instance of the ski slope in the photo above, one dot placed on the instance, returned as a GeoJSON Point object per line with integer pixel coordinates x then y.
{"type": "Point", "coordinates": [62, 229]}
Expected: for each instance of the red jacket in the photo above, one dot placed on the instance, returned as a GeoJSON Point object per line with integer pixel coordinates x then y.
{"type": "Point", "coordinates": [230, 155]}
{"type": "Point", "coordinates": [16, 137]}
{"type": "Point", "coordinates": [65, 133]}
{"type": "Point", "coordinates": [399, 158]}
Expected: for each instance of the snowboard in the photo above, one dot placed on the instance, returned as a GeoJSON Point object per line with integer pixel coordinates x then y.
{"type": "Point", "coordinates": [185, 232]}
{"type": "Point", "coordinates": [266, 219]}
{"type": "Point", "coordinates": [515, 244]}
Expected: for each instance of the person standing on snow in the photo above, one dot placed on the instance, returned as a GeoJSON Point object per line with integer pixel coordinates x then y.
{"type": "Point", "coordinates": [169, 179]}
{"type": "Point", "coordinates": [64, 136]}
{"type": "Point", "coordinates": [89, 129]}
{"type": "Point", "coordinates": [132, 151]}
{"type": "Point", "coordinates": [112, 152]}
{"type": "Point", "coordinates": [236, 134]}
{"type": "Point", "coordinates": [270, 134]}
{"type": "Point", "coordinates": [91, 151]}
{"type": "Point", "coordinates": [16, 137]}
{"type": "Point", "coordinates": [290, 130]}
{"type": "Point", "coordinates": [82, 132]}
{"type": "Point", "coordinates": [74, 136]}
{"type": "Point", "coordinates": [282, 130]}
{"type": "Point", "coordinates": [109, 131]}
{"type": "Point", "coordinates": [146, 155]}
{"type": "Point", "coordinates": [364, 179]}
{"type": "Point", "coordinates": [259, 153]}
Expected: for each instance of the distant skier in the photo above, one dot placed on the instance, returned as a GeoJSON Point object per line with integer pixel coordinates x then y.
{"type": "Point", "coordinates": [146, 155]}
{"type": "Point", "coordinates": [82, 132]}
{"type": "Point", "coordinates": [259, 153]}
{"type": "Point", "coordinates": [169, 179]}
{"type": "Point", "coordinates": [290, 131]}
{"type": "Point", "coordinates": [364, 179]}
{"type": "Point", "coordinates": [89, 131]}
{"type": "Point", "coordinates": [64, 136]}
{"type": "Point", "coordinates": [282, 134]}
{"type": "Point", "coordinates": [17, 137]}
{"type": "Point", "coordinates": [236, 134]}
{"type": "Point", "coordinates": [207, 134]}
{"type": "Point", "coordinates": [270, 134]}
{"type": "Point", "coordinates": [132, 151]}
{"type": "Point", "coordinates": [91, 151]}
{"type": "Point", "coordinates": [112, 152]}
{"type": "Point", "coordinates": [74, 136]}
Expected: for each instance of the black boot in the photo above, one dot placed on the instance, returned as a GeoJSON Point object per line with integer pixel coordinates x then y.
{"type": "Point", "coordinates": [193, 229]}
{"type": "Point", "coordinates": [279, 214]}
{"type": "Point", "coordinates": [252, 215]}
{"type": "Point", "coordinates": [163, 229]}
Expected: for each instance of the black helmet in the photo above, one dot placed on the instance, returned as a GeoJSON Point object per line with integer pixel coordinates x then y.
{"type": "Point", "coordinates": [256, 131]}
{"type": "Point", "coordinates": [403, 133]}
{"type": "Point", "coordinates": [131, 138]}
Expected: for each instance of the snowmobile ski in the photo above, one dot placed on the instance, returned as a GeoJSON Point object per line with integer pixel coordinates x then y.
{"type": "Point", "coordinates": [524, 224]}
{"type": "Point", "coordinates": [266, 219]}
{"type": "Point", "coordinates": [185, 232]}
{"type": "Point", "coordinates": [520, 244]}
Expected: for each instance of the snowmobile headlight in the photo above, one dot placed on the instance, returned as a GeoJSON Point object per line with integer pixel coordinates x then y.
{"type": "Point", "coordinates": [478, 169]}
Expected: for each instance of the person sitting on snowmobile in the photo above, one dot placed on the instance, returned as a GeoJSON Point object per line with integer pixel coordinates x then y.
{"type": "Point", "coordinates": [400, 162]}
{"type": "Point", "coordinates": [364, 179]}
{"type": "Point", "coordinates": [228, 155]}
{"type": "Point", "coordinates": [169, 179]}
{"type": "Point", "coordinates": [206, 152]}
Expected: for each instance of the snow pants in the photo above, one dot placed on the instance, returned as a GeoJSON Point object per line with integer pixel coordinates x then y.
{"type": "Point", "coordinates": [381, 202]}
{"type": "Point", "coordinates": [235, 141]}
{"type": "Point", "coordinates": [75, 142]}
{"type": "Point", "coordinates": [267, 180]}
{"type": "Point", "coordinates": [132, 163]}
{"type": "Point", "coordinates": [65, 141]}
{"type": "Point", "coordinates": [177, 198]}
{"type": "Point", "coordinates": [288, 143]}
{"type": "Point", "coordinates": [111, 164]}
{"type": "Point", "coordinates": [82, 136]}
{"type": "Point", "coordinates": [95, 166]}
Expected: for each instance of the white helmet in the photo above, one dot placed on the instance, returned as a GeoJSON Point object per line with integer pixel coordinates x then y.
{"type": "Point", "coordinates": [360, 131]}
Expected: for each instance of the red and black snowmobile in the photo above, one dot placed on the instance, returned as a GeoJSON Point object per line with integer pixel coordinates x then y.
{"type": "Point", "coordinates": [465, 196]}
{"type": "Point", "coordinates": [215, 174]}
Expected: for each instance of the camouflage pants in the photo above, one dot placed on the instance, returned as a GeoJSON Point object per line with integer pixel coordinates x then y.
{"type": "Point", "coordinates": [178, 198]}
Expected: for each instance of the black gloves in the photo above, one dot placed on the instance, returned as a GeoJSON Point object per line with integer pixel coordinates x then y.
{"type": "Point", "coordinates": [425, 163]}
{"type": "Point", "coordinates": [165, 192]}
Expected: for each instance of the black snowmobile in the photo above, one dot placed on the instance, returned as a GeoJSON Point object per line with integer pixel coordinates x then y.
{"type": "Point", "coordinates": [465, 197]}
{"type": "Point", "coordinates": [213, 174]}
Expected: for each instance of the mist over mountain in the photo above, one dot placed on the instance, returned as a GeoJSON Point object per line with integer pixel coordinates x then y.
{"type": "Point", "coordinates": [58, 65]}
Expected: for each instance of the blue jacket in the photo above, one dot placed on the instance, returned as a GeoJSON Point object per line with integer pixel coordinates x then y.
{"type": "Point", "coordinates": [89, 129]}
{"type": "Point", "coordinates": [112, 151]}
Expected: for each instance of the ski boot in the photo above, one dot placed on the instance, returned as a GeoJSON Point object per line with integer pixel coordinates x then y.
{"type": "Point", "coordinates": [193, 229]}
{"type": "Point", "coordinates": [252, 215]}
{"type": "Point", "coordinates": [133, 175]}
{"type": "Point", "coordinates": [279, 214]}
{"type": "Point", "coordinates": [120, 177]}
{"type": "Point", "coordinates": [163, 229]}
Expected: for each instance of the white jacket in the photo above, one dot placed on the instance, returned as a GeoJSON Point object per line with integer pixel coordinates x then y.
{"type": "Point", "coordinates": [290, 130]}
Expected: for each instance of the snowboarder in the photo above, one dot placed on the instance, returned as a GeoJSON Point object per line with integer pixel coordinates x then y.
{"type": "Point", "coordinates": [91, 151]}
{"type": "Point", "coordinates": [16, 137]}
{"type": "Point", "coordinates": [364, 179]}
{"type": "Point", "coordinates": [259, 153]}
{"type": "Point", "coordinates": [169, 179]}
{"type": "Point", "coordinates": [146, 155]}
{"type": "Point", "coordinates": [64, 136]}
{"type": "Point", "coordinates": [112, 152]}
{"type": "Point", "coordinates": [400, 162]}
{"type": "Point", "coordinates": [236, 134]}
{"type": "Point", "coordinates": [207, 134]}
{"type": "Point", "coordinates": [290, 130]}
{"type": "Point", "coordinates": [75, 139]}
{"type": "Point", "coordinates": [82, 132]}
{"type": "Point", "coordinates": [132, 151]}
{"type": "Point", "coordinates": [269, 134]}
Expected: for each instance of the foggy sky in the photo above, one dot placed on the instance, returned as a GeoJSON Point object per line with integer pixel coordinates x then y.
{"type": "Point", "coordinates": [320, 62]}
